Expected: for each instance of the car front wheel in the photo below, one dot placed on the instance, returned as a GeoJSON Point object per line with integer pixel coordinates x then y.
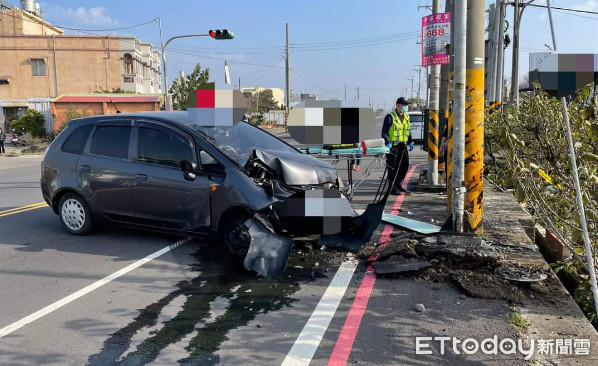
{"type": "Point", "coordinates": [74, 214]}
{"type": "Point", "coordinates": [236, 235]}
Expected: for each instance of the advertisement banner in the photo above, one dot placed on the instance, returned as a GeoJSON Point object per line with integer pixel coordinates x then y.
{"type": "Point", "coordinates": [436, 29]}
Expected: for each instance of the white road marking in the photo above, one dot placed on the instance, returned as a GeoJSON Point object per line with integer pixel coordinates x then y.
{"type": "Point", "coordinates": [84, 291]}
{"type": "Point", "coordinates": [308, 341]}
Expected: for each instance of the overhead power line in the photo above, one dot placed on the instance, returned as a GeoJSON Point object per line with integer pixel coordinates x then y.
{"type": "Point", "coordinates": [565, 9]}
{"type": "Point", "coordinates": [316, 48]}
{"type": "Point", "coordinates": [356, 40]}
{"type": "Point", "coordinates": [82, 29]}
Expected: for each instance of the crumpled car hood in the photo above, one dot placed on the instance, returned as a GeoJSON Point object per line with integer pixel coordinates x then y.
{"type": "Point", "coordinates": [296, 168]}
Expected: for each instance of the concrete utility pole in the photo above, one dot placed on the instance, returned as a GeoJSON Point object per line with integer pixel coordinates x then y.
{"type": "Point", "coordinates": [345, 91]}
{"type": "Point", "coordinates": [517, 13]}
{"type": "Point", "coordinates": [419, 81]}
{"type": "Point", "coordinates": [500, 64]}
{"type": "Point", "coordinates": [492, 54]}
{"type": "Point", "coordinates": [444, 75]}
{"type": "Point", "coordinates": [460, 39]}
{"type": "Point", "coordinates": [411, 79]}
{"type": "Point", "coordinates": [474, 117]}
{"type": "Point", "coordinates": [432, 176]}
{"type": "Point", "coordinates": [449, 155]}
{"type": "Point", "coordinates": [287, 83]}
{"type": "Point", "coordinates": [357, 93]}
{"type": "Point", "coordinates": [239, 83]}
{"type": "Point", "coordinates": [551, 25]}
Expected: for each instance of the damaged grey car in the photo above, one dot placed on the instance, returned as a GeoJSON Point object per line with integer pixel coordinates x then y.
{"type": "Point", "coordinates": [160, 171]}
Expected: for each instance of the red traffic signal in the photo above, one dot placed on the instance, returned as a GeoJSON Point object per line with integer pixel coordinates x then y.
{"type": "Point", "coordinates": [221, 34]}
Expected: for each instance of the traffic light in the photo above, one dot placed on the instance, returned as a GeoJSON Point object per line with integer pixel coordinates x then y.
{"type": "Point", "coordinates": [221, 34]}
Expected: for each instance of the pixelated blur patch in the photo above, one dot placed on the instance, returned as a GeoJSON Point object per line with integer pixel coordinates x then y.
{"type": "Point", "coordinates": [322, 210]}
{"type": "Point", "coordinates": [208, 106]}
{"type": "Point", "coordinates": [331, 122]}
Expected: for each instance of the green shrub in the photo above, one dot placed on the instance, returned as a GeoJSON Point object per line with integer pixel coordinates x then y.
{"type": "Point", "coordinates": [32, 122]}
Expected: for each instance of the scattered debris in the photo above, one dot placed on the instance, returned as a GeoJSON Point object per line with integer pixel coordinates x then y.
{"type": "Point", "coordinates": [420, 308]}
{"type": "Point", "coordinates": [396, 265]}
{"type": "Point", "coordinates": [413, 225]}
{"type": "Point", "coordinates": [522, 274]}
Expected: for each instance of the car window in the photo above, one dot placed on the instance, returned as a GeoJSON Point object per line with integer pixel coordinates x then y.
{"type": "Point", "coordinates": [75, 143]}
{"type": "Point", "coordinates": [157, 146]}
{"type": "Point", "coordinates": [111, 141]}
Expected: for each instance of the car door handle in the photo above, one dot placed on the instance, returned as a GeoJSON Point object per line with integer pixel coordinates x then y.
{"type": "Point", "coordinates": [85, 168]}
{"type": "Point", "coordinates": [141, 177]}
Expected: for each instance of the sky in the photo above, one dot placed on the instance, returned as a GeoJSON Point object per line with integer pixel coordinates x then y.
{"type": "Point", "coordinates": [322, 59]}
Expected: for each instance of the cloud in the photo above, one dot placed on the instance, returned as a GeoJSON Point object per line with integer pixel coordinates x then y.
{"type": "Point", "coordinates": [96, 16]}
{"type": "Point", "coordinates": [590, 5]}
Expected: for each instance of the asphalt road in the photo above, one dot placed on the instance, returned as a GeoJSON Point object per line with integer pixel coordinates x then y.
{"type": "Point", "coordinates": [191, 305]}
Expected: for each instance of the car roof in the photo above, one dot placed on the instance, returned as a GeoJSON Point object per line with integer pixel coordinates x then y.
{"type": "Point", "coordinates": [179, 118]}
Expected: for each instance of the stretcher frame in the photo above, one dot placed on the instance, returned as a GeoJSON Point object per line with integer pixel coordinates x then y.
{"type": "Point", "coordinates": [375, 161]}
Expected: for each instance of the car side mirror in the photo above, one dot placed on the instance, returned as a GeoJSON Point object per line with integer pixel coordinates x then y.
{"type": "Point", "coordinates": [189, 169]}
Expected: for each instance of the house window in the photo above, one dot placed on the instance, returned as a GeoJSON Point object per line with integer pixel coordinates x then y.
{"type": "Point", "coordinates": [4, 82]}
{"type": "Point", "coordinates": [128, 63]}
{"type": "Point", "coordinates": [38, 67]}
{"type": "Point", "coordinates": [128, 79]}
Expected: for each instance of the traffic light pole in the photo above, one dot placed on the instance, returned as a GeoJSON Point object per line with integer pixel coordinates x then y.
{"type": "Point", "coordinates": [432, 176]}
{"type": "Point", "coordinates": [474, 117]}
{"type": "Point", "coordinates": [167, 103]}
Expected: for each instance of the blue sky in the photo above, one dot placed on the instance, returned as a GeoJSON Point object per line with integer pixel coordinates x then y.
{"type": "Point", "coordinates": [380, 70]}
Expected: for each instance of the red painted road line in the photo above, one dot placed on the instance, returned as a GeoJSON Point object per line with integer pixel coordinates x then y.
{"type": "Point", "coordinates": [344, 342]}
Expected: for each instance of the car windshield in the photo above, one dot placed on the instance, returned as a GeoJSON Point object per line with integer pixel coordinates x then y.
{"type": "Point", "coordinates": [240, 140]}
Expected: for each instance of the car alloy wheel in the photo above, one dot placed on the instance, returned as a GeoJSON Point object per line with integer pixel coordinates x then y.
{"type": "Point", "coordinates": [73, 214]}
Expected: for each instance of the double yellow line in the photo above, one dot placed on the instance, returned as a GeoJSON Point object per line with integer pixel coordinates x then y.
{"type": "Point", "coordinates": [17, 210]}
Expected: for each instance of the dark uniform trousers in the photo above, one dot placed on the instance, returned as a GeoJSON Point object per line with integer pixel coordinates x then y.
{"type": "Point", "coordinates": [397, 159]}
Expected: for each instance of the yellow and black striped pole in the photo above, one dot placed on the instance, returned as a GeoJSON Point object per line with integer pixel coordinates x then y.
{"type": "Point", "coordinates": [474, 117]}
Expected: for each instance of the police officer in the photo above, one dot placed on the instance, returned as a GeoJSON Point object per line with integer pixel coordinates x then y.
{"type": "Point", "coordinates": [396, 132]}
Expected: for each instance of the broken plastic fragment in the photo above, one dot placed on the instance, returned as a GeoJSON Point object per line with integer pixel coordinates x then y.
{"type": "Point", "coordinates": [268, 253]}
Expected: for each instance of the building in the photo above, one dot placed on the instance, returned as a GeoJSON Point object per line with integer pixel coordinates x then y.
{"type": "Point", "coordinates": [93, 104]}
{"type": "Point", "coordinates": [39, 63]}
{"type": "Point", "coordinates": [302, 97]}
{"type": "Point", "coordinates": [277, 93]}
{"type": "Point", "coordinates": [561, 74]}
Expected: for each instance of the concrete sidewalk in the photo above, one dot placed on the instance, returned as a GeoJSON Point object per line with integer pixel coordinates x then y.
{"type": "Point", "coordinates": [465, 294]}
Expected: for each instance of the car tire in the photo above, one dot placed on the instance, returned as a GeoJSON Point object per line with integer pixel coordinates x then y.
{"type": "Point", "coordinates": [235, 234]}
{"type": "Point", "coordinates": [74, 214]}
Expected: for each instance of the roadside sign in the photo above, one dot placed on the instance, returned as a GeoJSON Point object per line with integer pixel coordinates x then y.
{"type": "Point", "coordinates": [436, 29]}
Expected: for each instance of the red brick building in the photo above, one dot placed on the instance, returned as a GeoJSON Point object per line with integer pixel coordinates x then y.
{"type": "Point", "coordinates": [100, 104]}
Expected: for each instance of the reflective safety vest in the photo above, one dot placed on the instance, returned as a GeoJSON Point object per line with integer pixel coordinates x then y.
{"type": "Point", "coordinates": [399, 130]}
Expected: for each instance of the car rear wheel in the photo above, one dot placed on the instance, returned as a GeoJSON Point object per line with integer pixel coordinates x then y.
{"type": "Point", "coordinates": [236, 235]}
{"type": "Point", "coordinates": [74, 214]}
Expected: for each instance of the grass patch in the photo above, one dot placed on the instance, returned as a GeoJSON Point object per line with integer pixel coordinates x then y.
{"type": "Point", "coordinates": [519, 321]}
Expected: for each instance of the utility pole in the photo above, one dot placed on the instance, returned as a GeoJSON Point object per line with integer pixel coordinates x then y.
{"type": "Point", "coordinates": [458, 191]}
{"type": "Point", "coordinates": [419, 82]}
{"type": "Point", "coordinates": [287, 82]}
{"type": "Point", "coordinates": [239, 83]}
{"type": "Point", "coordinates": [411, 79]}
{"type": "Point", "coordinates": [449, 154]}
{"type": "Point", "coordinates": [432, 177]}
{"type": "Point", "coordinates": [492, 53]}
{"type": "Point", "coordinates": [500, 64]}
{"type": "Point", "coordinates": [444, 76]}
{"type": "Point", "coordinates": [551, 25]}
{"type": "Point", "coordinates": [517, 13]}
{"type": "Point", "coordinates": [345, 91]}
{"type": "Point", "coordinates": [474, 117]}
{"type": "Point", "coordinates": [357, 93]}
